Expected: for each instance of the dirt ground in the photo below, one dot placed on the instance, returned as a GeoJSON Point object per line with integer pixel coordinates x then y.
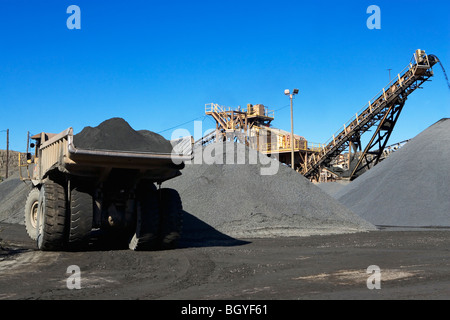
{"type": "Point", "coordinates": [413, 264]}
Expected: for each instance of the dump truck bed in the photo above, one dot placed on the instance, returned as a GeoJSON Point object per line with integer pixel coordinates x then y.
{"type": "Point", "coordinates": [59, 152]}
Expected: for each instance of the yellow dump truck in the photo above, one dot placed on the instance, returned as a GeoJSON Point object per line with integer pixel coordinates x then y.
{"type": "Point", "coordinates": [78, 195]}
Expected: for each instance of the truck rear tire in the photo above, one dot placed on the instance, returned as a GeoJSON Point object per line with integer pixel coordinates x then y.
{"type": "Point", "coordinates": [81, 217]}
{"type": "Point", "coordinates": [52, 216]}
{"type": "Point", "coordinates": [147, 218]}
{"type": "Point", "coordinates": [171, 211]}
{"type": "Point", "coordinates": [31, 213]}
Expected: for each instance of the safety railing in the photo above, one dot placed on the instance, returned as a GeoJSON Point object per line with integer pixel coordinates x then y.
{"type": "Point", "coordinates": [373, 107]}
{"type": "Point", "coordinates": [383, 95]}
{"type": "Point", "coordinates": [25, 161]}
{"type": "Point", "coordinates": [213, 107]}
{"type": "Point", "coordinates": [300, 145]}
{"type": "Point", "coordinates": [267, 113]}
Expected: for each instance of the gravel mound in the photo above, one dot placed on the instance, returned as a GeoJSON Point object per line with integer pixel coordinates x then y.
{"type": "Point", "coordinates": [116, 134]}
{"type": "Point", "coordinates": [332, 187]}
{"type": "Point", "coordinates": [13, 195]}
{"type": "Point", "coordinates": [411, 187]}
{"type": "Point", "coordinates": [239, 201]}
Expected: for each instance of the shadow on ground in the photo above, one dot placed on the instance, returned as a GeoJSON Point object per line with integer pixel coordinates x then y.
{"type": "Point", "coordinates": [197, 233]}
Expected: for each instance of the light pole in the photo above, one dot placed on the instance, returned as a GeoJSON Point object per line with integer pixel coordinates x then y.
{"type": "Point", "coordinates": [291, 96]}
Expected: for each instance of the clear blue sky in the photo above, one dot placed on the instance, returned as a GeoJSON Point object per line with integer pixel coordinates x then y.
{"type": "Point", "coordinates": [157, 63]}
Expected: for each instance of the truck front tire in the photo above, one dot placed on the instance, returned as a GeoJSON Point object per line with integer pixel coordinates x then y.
{"type": "Point", "coordinates": [31, 213]}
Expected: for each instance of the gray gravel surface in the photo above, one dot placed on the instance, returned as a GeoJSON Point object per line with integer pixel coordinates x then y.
{"type": "Point", "coordinates": [13, 194]}
{"type": "Point", "coordinates": [238, 201]}
{"type": "Point", "coordinates": [332, 187]}
{"type": "Point", "coordinates": [413, 265]}
{"type": "Point", "coordinates": [411, 187]}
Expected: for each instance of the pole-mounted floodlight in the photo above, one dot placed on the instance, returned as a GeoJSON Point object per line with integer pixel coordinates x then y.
{"type": "Point", "coordinates": [291, 96]}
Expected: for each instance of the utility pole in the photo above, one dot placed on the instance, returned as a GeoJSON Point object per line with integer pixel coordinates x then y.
{"type": "Point", "coordinates": [7, 153]}
{"type": "Point", "coordinates": [389, 74]}
{"type": "Point", "coordinates": [292, 134]}
{"type": "Point", "coordinates": [291, 96]}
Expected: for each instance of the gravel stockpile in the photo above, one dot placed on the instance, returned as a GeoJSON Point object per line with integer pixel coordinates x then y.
{"type": "Point", "coordinates": [411, 187]}
{"type": "Point", "coordinates": [116, 134]}
{"type": "Point", "coordinates": [236, 200]}
{"type": "Point", "coordinates": [13, 194]}
{"type": "Point", "coordinates": [332, 187]}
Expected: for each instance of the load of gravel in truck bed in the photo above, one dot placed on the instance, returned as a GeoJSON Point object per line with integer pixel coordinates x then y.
{"type": "Point", "coordinates": [116, 134]}
{"type": "Point", "coordinates": [410, 188]}
{"type": "Point", "coordinates": [240, 202]}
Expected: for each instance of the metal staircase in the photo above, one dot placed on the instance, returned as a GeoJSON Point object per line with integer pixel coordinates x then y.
{"type": "Point", "coordinates": [381, 112]}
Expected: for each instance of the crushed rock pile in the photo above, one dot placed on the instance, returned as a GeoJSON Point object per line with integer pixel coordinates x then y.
{"type": "Point", "coordinates": [13, 195]}
{"type": "Point", "coordinates": [239, 201]}
{"type": "Point", "coordinates": [332, 187]}
{"type": "Point", "coordinates": [410, 188]}
{"type": "Point", "coordinates": [116, 134]}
